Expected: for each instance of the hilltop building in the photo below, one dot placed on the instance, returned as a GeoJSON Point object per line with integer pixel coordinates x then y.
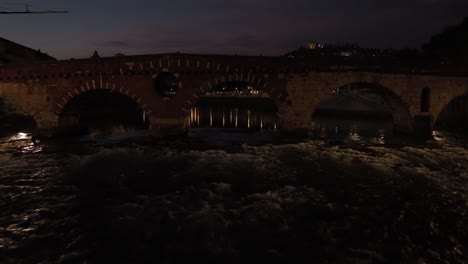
{"type": "Point", "coordinates": [315, 45]}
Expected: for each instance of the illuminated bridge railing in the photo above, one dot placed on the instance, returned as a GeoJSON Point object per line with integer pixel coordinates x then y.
{"type": "Point", "coordinates": [236, 94]}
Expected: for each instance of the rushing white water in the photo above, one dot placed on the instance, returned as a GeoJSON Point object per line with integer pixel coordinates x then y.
{"type": "Point", "coordinates": [212, 197]}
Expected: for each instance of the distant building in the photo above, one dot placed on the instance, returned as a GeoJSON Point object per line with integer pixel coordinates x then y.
{"type": "Point", "coordinates": [95, 55]}
{"type": "Point", "coordinates": [315, 45]}
{"type": "Point", "coordinates": [11, 52]}
{"type": "Point", "coordinates": [345, 53]}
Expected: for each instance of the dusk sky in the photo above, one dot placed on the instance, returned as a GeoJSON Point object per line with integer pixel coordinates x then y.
{"type": "Point", "coordinates": [247, 27]}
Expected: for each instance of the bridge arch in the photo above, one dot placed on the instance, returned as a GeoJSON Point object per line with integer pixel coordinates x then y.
{"type": "Point", "coordinates": [250, 95]}
{"type": "Point", "coordinates": [460, 98]}
{"type": "Point", "coordinates": [271, 86]}
{"type": "Point", "coordinates": [91, 86]}
{"type": "Point", "coordinates": [14, 118]}
{"type": "Point", "coordinates": [77, 108]}
{"type": "Point", "coordinates": [378, 97]}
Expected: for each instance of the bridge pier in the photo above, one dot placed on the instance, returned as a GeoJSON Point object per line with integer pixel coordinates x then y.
{"type": "Point", "coordinates": [423, 125]}
{"type": "Point", "coordinates": [69, 121]}
{"type": "Point", "coordinates": [46, 125]}
{"type": "Point", "coordinates": [294, 125]}
{"type": "Point", "coordinates": [168, 127]}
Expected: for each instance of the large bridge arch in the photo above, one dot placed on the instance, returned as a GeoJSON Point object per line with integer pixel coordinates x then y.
{"type": "Point", "coordinates": [443, 104]}
{"type": "Point", "coordinates": [86, 108]}
{"type": "Point", "coordinates": [88, 86]}
{"type": "Point", "coordinates": [308, 91]}
{"type": "Point", "coordinates": [86, 89]}
{"type": "Point", "coordinates": [273, 86]}
{"type": "Point", "coordinates": [391, 102]}
{"type": "Point", "coordinates": [244, 103]}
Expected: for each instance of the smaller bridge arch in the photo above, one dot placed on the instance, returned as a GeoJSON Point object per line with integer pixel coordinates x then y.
{"type": "Point", "coordinates": [425, 100]}
{"type": "Point", "coordinates": [14, 118]}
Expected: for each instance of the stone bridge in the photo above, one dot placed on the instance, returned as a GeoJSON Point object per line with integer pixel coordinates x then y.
{"type": "Point", "coordinates": [43, 89]}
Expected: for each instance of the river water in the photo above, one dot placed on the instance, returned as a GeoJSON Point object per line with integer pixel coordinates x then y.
{"type": "Point", "coordinates": [227, 195]}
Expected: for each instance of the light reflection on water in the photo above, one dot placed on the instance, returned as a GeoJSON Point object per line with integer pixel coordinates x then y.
{"type": "Point", "coordinates": [438, 136]}
{"type": "Point", "coordinates": [20, 136]}
{"type": "Point", "coordinates": [233, 117]}
{"type": "Point", "coordinates": [114, 133]}
{"type": "Point", "coordinates": [449, 139]}
{"type": "Point", "coordinates": [20, 143]}
{"type": "Point", "coordinates": [375, 131]}
{"type": "Point", "coordinates": [32, 195]}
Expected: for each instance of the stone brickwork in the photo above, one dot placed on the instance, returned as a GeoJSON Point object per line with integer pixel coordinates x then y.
{"type": "Point", "coordinates": [43, 89]}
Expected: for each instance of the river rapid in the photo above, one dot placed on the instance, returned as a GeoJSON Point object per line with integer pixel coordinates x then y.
{"type": "Point", "coordinates": [220, 196]}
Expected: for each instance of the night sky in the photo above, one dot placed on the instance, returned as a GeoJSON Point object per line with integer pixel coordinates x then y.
{"type": "Point", "coordinates": [250, 27]}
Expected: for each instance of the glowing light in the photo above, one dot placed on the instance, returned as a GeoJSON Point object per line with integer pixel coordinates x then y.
{"type": "Point", "coordinates": [236, 117]}
{"type": "Point", "coordinates": [261, 121]}
{"type": "Point", "coordinates": [248, 118]}
{"type": "Point", "coordinates": [438, 136]}
{"type": "Point", "coordinates": [20, 136]}
{"type": "Point", "coordinates": [224, 119]}
{"type": "Point", "coordinates": [354, 136]}
{"type": "Point", "coordinates": [211, 117]}
{"type": "Point", "coordinates": [382, 133]}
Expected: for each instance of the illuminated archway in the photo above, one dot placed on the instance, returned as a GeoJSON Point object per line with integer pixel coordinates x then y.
{"type": "Point", "coordinates": [235, 104]}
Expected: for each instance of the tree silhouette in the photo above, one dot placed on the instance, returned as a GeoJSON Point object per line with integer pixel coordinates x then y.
{"type": "Point", "coordinates": [451, 45]}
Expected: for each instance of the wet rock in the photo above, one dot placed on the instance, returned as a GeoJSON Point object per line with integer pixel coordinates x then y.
{"type": "Point", "coordinates": [205, 223]}
{"type": "Point", "coordinates": [368, 256]}
{"type": "Point", "coordinates": [221, 188]}
{"type": "Point", "coordinates": [74, 257]}
{"type": "Point", "coordinates": [130, 209]}
{"type": "Point", "coordinates": [206, 195]}
{"type": "Point", "coordinates": [263, 216]}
